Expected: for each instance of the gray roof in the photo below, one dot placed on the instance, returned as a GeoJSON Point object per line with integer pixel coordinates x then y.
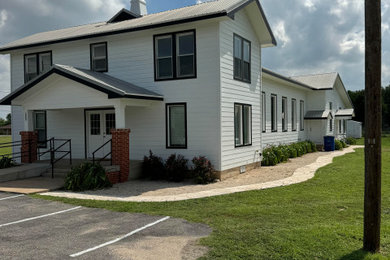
{"type": "Point", "coordinates": [280, 76]}
{"type": "Point", "coordinates": [202, 11]}
{"type": "Point", "coordinates": [113, 87]}
{"type": "Point", "coordinates": [318, 81]}
{"type": "Point", "coordinates": [345, 112]}
{"type": "Point", "coordinates": [318, 114]}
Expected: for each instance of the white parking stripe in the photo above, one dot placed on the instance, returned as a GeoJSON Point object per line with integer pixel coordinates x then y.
{"type": "Point", "coordinates": [38, 217]}
{"type": "Point", "coordinates": [118, 239]}
{"type": "Point", "coordinates": [12, 197]}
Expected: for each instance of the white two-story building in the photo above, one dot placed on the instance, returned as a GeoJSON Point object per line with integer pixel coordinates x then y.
{"type": "Point", "coordinates": [187, 81]}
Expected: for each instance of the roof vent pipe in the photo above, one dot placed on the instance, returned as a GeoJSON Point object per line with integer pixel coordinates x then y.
{"type": "Point", "coordinates": [138, 7]}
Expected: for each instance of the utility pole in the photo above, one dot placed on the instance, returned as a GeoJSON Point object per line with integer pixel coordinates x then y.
{"type": "Point", "coordinates": [373, 122]}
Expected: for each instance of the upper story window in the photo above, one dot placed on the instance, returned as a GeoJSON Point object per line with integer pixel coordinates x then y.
{"type": "Point", "coordinates": [175, 55]}
{"type": "Point", "coordinates": [99, 57]}
{"type": "Point", "coordinates": [330, 105]}
{"type": "Point", "coordinates": [242, 59]}
{"type": "Point", "coordinates": [36, 64]}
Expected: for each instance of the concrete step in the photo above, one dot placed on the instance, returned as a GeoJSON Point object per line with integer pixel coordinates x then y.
{"type": "Point", "coordinates": [23, 172]}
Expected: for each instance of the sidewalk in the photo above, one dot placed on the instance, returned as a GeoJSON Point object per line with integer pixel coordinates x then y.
{"type": "Point", "coordinates": [301, 174]}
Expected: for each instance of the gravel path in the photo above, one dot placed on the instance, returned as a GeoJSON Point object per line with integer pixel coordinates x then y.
{"type": "Point", "coordinates": [294, 171]}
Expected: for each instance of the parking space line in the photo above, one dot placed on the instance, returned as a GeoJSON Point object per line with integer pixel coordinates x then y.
{"type": "Point", "coordinates": [38, 217]}
{"type": "Point", "coordinates": [12, 197]}
{"type": "Point", "coordinates": [119, 238]}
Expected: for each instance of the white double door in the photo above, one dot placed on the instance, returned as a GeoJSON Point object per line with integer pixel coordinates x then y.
{"type": "Point", "coordinates": [99, 124]}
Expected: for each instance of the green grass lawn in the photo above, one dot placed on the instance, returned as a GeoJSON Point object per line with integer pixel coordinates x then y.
{"type": "Point", "coordinates": [5, 139]}
{"type": "Point", "coordinates": [319, 219]}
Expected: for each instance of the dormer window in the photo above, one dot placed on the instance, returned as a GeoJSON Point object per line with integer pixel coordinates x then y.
{"type": "Point", "coordinates": [36, 64]}
{"type": "Point", "coordinates": [99, 59]}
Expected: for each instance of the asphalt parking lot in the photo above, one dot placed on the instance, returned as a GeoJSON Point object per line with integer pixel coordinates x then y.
{"type": "Point", "coordinates": [37, 229]}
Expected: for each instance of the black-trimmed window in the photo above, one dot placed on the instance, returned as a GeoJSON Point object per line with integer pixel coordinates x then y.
{"type": "Point", "coordinates": [293, 114]}
{"type": "Point", "coordinates": [40, 126]}
{"type": "Point", "coordinates": [302, 115]}
{"type": "Point", "coordinates": [263, 113]}
{"type": "Point", "coordinates": [175, 55]}
{"type": "Point", "coordinates": [340, 126]}
{"type": "Point", "coordinates": [176, 124]}
{"type": "Point", "coordinates": [284, 114]}
{"type": "Point", "coordinates": [274, 112]}
{"type": "Point", "coordinates": [331, 125]}
{"type": "Point", "coordinates": [36, 64]}
{"type": "Point", "coordinates": [242, 125]}
{"type": "Point", "coordinates": [242, 58]}
{"type": "Point", "coordinates": [344, 126]}
{"type": "Point", "coordinates": [99, 57]}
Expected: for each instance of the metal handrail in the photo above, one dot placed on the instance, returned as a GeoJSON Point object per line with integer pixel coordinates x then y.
{"type": "Point", "coordinates": [101, 147]}
{"type": "Point", "coordinates": [52, 150]}
{"type": "Point", "coordinates": [16, 155]}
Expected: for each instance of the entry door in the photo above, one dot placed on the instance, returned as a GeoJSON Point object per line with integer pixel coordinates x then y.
{"type": "Point", "coordinates": [99, 125]}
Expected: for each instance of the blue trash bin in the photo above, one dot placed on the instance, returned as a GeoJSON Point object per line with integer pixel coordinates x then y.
{"type": "Point", "coordinates": [329, 144]}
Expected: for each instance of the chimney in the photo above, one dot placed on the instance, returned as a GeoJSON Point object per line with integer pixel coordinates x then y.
{"type": "Point", "coordinates": [138, 7]}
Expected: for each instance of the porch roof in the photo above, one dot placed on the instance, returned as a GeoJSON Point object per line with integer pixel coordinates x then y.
{"type": "Point", "coordinates": [113, 87]}
{"type": "Point", "coordinates": [345, 112]}
{"type": "Point", "coordinates": [318, 115]}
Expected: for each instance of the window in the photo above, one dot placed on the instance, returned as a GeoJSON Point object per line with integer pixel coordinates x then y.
{"type": "Point", "coordinates": [293, 114]}
{"type": "Point", "coordinates": [176, 115]}
{"type": "Point", "coordinates": [274, 118]}
{"type": "Point", "coordinates": [284, 114]}
{"type": "Point", "coordinates": [95, 124]}
{"type": "Point", "coordinates": [302, 115]}
{"type": "Point", "coordinates": [263, 113]}
{"type": "Point", "coordinates": [345, 126]}
{"type": "Point", "coordinates": [110, 122]}
{"type": "Point", "coordinates": [330, 125]}
{"type": "Point", "coordinates": [242, 125]}
{"type": "Point", "coordinates": [99, 59]}
{"type": "Point", "coordinates": [40, 127]}
{"type": "Point", "coordinates": [242, 58]}
{"type": "Point", "coordinates": [36, 64]}
{"type": "Point", "coordinates": [174, 56]}
{"type": "Point", "coordinates": [340, 126]}
{"type": "Point", "coordinates": [330, 105]}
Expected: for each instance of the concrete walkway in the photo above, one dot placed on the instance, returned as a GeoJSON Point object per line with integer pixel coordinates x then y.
{"type": "Point", "coordinates": [32, 185]}
{"type": "Point", "coordinates": [300, 175]}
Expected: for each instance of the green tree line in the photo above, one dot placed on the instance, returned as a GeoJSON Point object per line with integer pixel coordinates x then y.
{"type": "Point", "coordinates": [357, 98]}
{"type": "Point", "coordinates": [6, 120]}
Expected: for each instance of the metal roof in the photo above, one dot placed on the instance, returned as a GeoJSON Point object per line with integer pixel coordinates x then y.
{"type": "Point", "coordinates": [318, 81]}
{"type": "Point", "coordinates": [197, 12]}
{"type": "Point", "coordinates": [113, 87]}
{"type": "Point", "coordinates": [318, 114]}
{"type": "Point", "coordinates": [345, 112]}
{"type": "Point", "coordinates": [280, 76]}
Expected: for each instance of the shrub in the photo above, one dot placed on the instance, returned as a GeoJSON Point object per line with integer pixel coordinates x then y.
{"type": "Point", "coordinates": [343, 143]}
{"type": "Point", "coordinates": [350, 140]}
{"type": "Point", "coordinates": [338, 145]}
{"type": "Point", "coordinates": [203, 171]}
{"type": "Point", "coordinates": [313, 146]}
{"type": "Point", "coordinates": [6, 162]}
{"type": "Point", "coordinates": [176, 168]}
{"type": "Point", "coordinates": [293, 151]}
{"type": "Point", "coordinates": [87, 176]}
{"type": "Point", "coordinates": [269, 157]}
{"type": "Point", "coordinates": [153, 167]}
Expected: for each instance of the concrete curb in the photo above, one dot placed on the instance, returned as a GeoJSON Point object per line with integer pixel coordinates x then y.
{"type": "Point", "coordinates": [300, 175]}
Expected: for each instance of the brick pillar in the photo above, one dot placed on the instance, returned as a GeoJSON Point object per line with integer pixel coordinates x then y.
{"type": "Point", "coordinates": [120, 151]}
{"type": "Point", "coordinates": [29, 146]}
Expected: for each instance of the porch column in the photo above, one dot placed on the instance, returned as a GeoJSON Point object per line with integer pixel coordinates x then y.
{"type": "Point", "coordinates": [120, 115]}
{"type": "Point", "coordinates": [29, 146]}
{"type": "Point", "coordinates": [120, 152]}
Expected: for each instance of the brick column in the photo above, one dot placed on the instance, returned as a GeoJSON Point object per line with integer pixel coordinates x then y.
{"type": "Point", "coordinates": [120, 151]}
{"type": "Point", "coordinates": [29, 146]}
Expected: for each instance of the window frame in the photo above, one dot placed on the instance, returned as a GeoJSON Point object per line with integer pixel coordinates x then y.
{"type": "Point", "coordinates": [264, 112]}
{"type": "Point", "coordinates": [242, 126]}
{"type": "Point", "coordinates": [37, 55]}
{"type": "Point", "coordinates": [344, 126]}
{"type": "Point", "coordinates": [167, 130]}
{"type": "Point", "coordinates": [331, 125]}
{"type": "Point", "coordinates": [42, 144]}
{"type": "Point", "coordinates": [274, 114]}
{"type": "Point", "coordinates": [293, 115]}
{"type": "Point", "coordinates": [242, 59]}
{"type": "Point", "coordinates": [174, 56]}
{"type": "Point", "coordinates": [302, 115]}
{"type": "Point", "coordinates": [285, 115]}
{"type": "Point", "coordinates": [91, 46]}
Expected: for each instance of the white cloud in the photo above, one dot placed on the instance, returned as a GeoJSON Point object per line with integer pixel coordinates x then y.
{"type": "Point", "coordinates": [353, 40]}
{"type": "Point", "coordinates": [309, 4]}
{"type": "Point", "coordinates": [3, 17]}
{"type": "Point", "coordinates": [280, 33]}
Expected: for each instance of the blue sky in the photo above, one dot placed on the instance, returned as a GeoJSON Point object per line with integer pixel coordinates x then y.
{"type": "Point", "coordinates": [314, 36]}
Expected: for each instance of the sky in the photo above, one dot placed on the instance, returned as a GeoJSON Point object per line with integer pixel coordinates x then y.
{"type": "Point", "coordinates": [314, 36]}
